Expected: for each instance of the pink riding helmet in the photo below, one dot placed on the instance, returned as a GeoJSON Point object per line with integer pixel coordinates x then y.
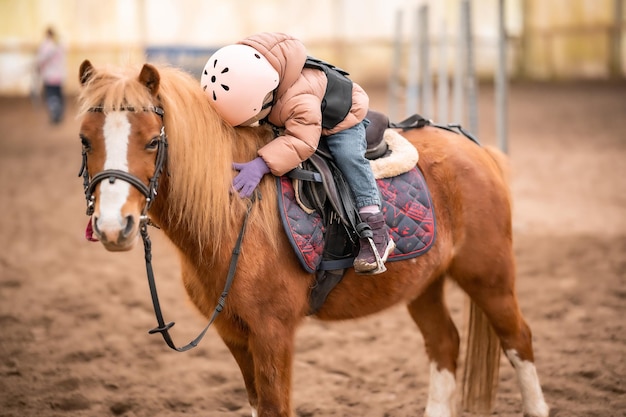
{"type": "Point", "coordinates": [237, 78]}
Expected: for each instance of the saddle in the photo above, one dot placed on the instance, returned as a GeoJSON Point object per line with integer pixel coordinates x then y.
{"type": "Point", "coordinates": [319, 187]}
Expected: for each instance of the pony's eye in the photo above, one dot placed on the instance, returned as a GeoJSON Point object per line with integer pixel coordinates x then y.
{"type": "Point", "coordinates": [85, 142]}
{"type": "Point", "coordinates": [153, 144]}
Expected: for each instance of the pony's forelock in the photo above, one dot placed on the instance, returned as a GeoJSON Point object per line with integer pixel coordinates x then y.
{"type": "Point", "coordinates": [113, 88]}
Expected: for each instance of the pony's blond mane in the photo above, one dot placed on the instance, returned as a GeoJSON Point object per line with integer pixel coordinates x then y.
{"type": "Point", "coordinates": [201, 151]}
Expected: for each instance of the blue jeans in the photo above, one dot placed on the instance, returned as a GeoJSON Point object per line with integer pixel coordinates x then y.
{"type": "Point", "coordinates": [55, 102]}
{"type": "Point", "coordinates": [348, 149]}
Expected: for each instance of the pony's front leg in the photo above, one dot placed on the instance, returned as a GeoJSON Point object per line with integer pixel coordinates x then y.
{"type": "Point", "coordinates": [272, 350]}
{"type": "Point", "coordinates": [244, 359]}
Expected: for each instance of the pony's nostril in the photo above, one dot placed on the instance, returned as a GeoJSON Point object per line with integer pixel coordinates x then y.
{"type": "Point", "coordinates": [96, 229]}
{"type": "Point", "coordinates": [130, 223]}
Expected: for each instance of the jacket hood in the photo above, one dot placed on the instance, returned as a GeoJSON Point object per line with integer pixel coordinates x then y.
{"type": "Point", "coordinates": [284, 52]}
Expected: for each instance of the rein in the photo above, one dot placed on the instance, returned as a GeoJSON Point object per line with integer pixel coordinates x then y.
{"type": "Point", "coordinates": [164, 328]}
{"type": "Point", "coordinates": [150, 192]}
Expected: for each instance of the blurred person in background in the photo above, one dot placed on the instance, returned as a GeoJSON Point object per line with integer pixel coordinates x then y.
{"type": "Point", "coordinates": [50, 63]}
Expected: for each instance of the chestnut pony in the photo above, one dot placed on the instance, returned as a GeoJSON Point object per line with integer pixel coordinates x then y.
{"type": "Point", "coordinates": [126, 112]}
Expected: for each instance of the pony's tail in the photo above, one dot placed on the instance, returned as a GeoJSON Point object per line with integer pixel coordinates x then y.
{"type": "Point", "coordinates": [482, 359]}
{"type": "Point", "coordinates": [482, 363]}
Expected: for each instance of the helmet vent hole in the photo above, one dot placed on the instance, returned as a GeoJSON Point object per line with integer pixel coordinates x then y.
{"type": "Point", "coordinates": [213, 78]}
{"type": "Point", "coordinates": [225, 87]}
{"type": "Point", "coordinates": [214, 63]}
{"type": "Point", "coordinates": [224, 70]}
{"type": "Point", "coordinates": [214, 96]}
{"type": "Point", "coordinates": [257, 56]}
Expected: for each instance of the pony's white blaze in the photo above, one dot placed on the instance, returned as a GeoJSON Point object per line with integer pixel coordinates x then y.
{"type": "Point", "coordinates": [533, 402]}
{"type": "Point", "coordinates": [254, 413]}
{"type": "Point", "coordinates": [441, 400]}
{"type": "Point", "coordinates": [113, 196]}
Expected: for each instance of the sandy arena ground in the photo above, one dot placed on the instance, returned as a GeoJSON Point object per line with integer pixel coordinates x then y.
{"type": "Point", "coordinates": [74, 318]}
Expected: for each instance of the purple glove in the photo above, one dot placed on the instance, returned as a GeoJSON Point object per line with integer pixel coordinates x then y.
{"type": "Point", "coordinates": [250, 174]}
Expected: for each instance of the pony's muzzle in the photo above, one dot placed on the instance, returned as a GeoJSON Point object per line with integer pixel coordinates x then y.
{"type": "Point", "coordinates": [119, 235]}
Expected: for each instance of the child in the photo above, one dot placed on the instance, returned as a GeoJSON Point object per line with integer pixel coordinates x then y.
{"type": "Point", "coordinates": [264, 77]}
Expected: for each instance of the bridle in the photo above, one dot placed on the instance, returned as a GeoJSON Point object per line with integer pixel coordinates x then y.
{"type": "Point", "coordinates": [150, 191]}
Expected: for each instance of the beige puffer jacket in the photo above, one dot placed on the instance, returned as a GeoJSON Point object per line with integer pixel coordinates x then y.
{"type": "Point", "coordinates": [297, 102]}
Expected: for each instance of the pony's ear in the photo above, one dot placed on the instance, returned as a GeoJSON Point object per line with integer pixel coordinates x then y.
{"type": "Point", "coordinates": [149, 76]}
{"type": "Point", "coordinates": [85, 72]}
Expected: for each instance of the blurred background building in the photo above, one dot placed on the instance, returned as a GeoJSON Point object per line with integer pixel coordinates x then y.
{"type": "Point", "coordinates": [547, 39]}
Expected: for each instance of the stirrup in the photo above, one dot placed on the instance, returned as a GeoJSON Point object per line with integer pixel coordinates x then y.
{"type": "Point", "coordinates": [380, 263]}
